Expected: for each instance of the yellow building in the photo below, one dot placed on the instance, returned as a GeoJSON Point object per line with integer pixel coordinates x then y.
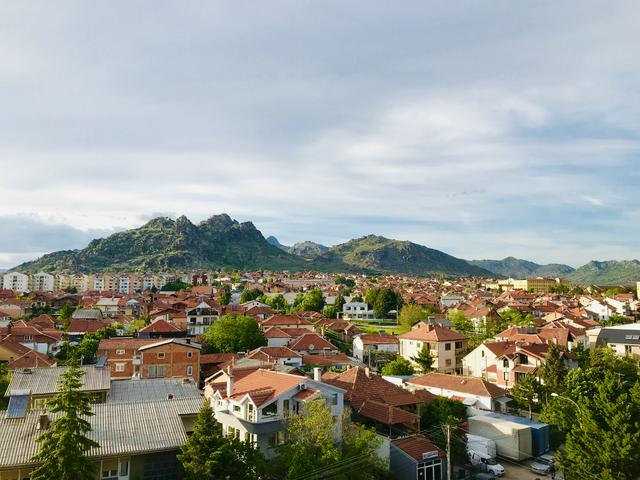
{"type": "Point", "coordinates": [538, 284]}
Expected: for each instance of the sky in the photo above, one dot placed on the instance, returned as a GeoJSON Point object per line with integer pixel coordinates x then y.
{"type": "Point", "coordinates": [483, 129]}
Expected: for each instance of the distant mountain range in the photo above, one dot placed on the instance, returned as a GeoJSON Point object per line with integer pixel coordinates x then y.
{"type": "Point", "coordinates": [164, 244]}
{"type": "Point", "coordinates": [221, 242]}
{"type": "Point", "coordinates": [511, 267]}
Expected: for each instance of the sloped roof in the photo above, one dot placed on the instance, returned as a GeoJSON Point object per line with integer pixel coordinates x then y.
{"type": "Point", "coordinates": [416, 445]}
{"type": "Point", "coordinates": [458, 383]}
{"type": "Point", "coordinates": [119, 429]}
{"type": "Point", "coordinates": [432, 333]}
{"type": "Point", "coordinates": [305, 342]}
{"type": "Point", "coordinates": [160, 326]}
{"type": "Point", "coordinates": [43, 381]}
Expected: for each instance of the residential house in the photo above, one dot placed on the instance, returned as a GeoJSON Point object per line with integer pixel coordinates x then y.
{"type": "Point", "coordinates": [151, 358]}
{"type": "Point", "coordinates": [200, 318]}
{"type": "Point", "coordinates": [357, 311]}
{"type": "Point", "coordinates": [42, 282]}
{"type": "Point", "coordinates": [254, 407]}
{"type": "Point", "coordinates": [287, 321]}
{"type": "Point", "coordinates": [364, 344]}
{"type": "Point", "coordinates": [391, 409]}
{"type": "Point", "coordinates": [481, 361]}
{"type": "Point", "coordinates": [160, 328]}
{"type": "Point", "coordinates": [276, 355]}
{"type": "Point", "coordinates": [624, 339]}
{"type": "Point", "coordinates": [473, 392]}
{"type": "Point", "coordinates": [446, 346]}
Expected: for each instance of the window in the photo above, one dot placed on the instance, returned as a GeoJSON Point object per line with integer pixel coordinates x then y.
{"type": "Point", "coordinates": [120, 351]}
{"type": "Point", "coordinates": [430, 470]}
{"type": "Point", "coordinates": [155, 371]}
{"type": "Point", "coordinates": [505, 363]}
{"type": "Point", "coordinates": [458, 345]}
{"type": "Point", "coordinates": [505, 376]}
{"type": "Point", "coordinates": [28, 337]}
{"type": "Point", "coordinates": [447, 346]}
{"type": "Point", "coordinates": [160, 354]}
{"type": "Point", "coordinates": [482, 353]}
{"type": "Point", "coordinates": [627, 349]}
{"type": "Point", "coordinates": [109, 475]}
{"type": "Point", "coordinates": [270, 410]}
{"type": "Point", "coordinates": [124, 469]}
{"type": "Point", "coordinates": [189, 371]}
{"type": "Point", "coordinates": [189, 354]}
{"type": "Point", "coordinates": [119, 367]}
{"type": "Point", "coordinates": [448, 362]}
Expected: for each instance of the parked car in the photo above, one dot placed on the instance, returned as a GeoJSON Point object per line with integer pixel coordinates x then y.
{"type": "Point", "coordinates": [541, 468]}
{"type": "Point", "coordinates": [546, 458]}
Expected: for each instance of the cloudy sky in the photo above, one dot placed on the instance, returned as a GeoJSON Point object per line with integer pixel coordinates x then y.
{"type": "Point", "coordinates": [483, 129]}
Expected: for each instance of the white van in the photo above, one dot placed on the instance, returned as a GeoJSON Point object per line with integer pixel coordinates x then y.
{"type": "Point", "coordinates": [486, 463]}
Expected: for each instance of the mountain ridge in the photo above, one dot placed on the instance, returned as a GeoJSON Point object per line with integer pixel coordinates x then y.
{"type": "Point", "coordinates": [221, 242]}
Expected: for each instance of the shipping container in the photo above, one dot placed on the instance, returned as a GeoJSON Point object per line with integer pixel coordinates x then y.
{"type": "Point", "coordinates": [513, 440]}
{"type": "Point", "coordinates": [539, 432]}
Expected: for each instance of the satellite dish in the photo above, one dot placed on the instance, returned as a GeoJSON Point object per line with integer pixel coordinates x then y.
{"type": "Point", "coordinates": [312, 346]}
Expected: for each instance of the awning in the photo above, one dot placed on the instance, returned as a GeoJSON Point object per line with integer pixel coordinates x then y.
{"type": "Point", "coordinates": [503, 400]}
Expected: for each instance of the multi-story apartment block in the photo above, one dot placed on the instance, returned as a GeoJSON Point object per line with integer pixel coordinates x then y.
{"type": "Point", "coordinates": [42, 282]}
{"type": "Point", "coordinates": [16, 281]}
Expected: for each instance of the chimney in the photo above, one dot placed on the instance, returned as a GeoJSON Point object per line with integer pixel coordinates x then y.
{"type": "Point", "coordinates": [317, 374]}
{"type": "Point", "coordinates": [44, 421]}
{"type": "Point", "coordinates": [169, 396]}
{"type": "Point", "coordinates": [367, 371]}
{"type": "Point", "coordinates": [188, 340]}
{"type": "Point", "coordinates": [229, 381]}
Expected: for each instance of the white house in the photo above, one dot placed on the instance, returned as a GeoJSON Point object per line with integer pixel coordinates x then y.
{"type": "Point", "coordinates": [15, 281]}
{"type": "Point", "coordinates": [357, 311]}
{"type": "Point", "coordinates": [624, 339]}
{"type": "Point", "coordinates": [200, 318]}
{"type": "Point", "coordinates": [365, 343]}
{"type": "Point", "coordinates": [254, 406]}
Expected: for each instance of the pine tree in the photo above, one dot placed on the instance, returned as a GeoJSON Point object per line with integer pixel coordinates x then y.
{"type": "Point", "coordinates": [424, 359]}
{"type": "Point", "coordinates": [554, 370]}
{"type": "Point", "coordinates": [200, 456]}
{"type": "Point", "coordinates": [63, 446]}
{"type": "Point", "coordinates": [526, 391]}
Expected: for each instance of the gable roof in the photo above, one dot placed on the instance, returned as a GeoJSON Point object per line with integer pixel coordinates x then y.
{"type": "Point", "coordinates": [416, 445]}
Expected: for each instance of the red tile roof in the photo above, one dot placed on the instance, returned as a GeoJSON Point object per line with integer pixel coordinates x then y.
{"type": "Point", "coordinates": [458, 383]}
{"type": "Point", "coordinates": [432, 333]}
{"type": "Point", "coordinates": [416, 445]}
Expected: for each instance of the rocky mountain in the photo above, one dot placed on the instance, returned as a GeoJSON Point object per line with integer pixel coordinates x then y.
{"type": "Point", "coordinates": [612, 272]}
{"type": "Point", "coordinates": [380, 254]}
{"type": "Point", "coordinates": [511, 267]}
{"type": "Point", "coordinates": [307, 249]}
{"type": "Point", "coordinates": [274, 241]}
{"type": "Point", "coordinates": [166, 244]}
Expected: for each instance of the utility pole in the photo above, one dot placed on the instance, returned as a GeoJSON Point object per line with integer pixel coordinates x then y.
{"type": "Point", "coordinates": [449, 477]}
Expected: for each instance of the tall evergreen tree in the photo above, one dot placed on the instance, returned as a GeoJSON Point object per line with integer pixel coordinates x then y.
{"type": "Point", "coordinates": [202, 455]}
{"type": "Point", "coordinates": [554, 370]}
{"type": "Point", "coordinates": [63, 446]}
{"type": "Point", "coordinates": [526, 391]}
{"type": "Point", "coordinates": [424, 359]}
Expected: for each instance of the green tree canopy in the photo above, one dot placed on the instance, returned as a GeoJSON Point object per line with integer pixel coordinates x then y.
{"type": "Point", "coordinates": [424, 359]}
{"type": "Point", "coordinates": [209, 455]}
{"type": "Point", "coordinates": [225, 296]}
{"type": "Point", "coordinates": [554, 370]}
{"type": "Point", "coordinates": [175, 286]}
{"type": "Point", "coordinates": [313, 301]}
{"type": "Point", "coordinates": [63, 446]}
{"type": "Point", "coordinates": [410, 315]}
{"type": "Point", "coordinates": [277, 302]}
{"type": "Point", "coordinates": [399, 366]}
{"type": "Point", "coordinates": [233, 333]}
{"type": "Point", "coordinates": [527, 391]}
{"type": "Point", "coordinates": [312, 447]}
{"type": "Point", "coordinates": [249, 294]}
{"type": "Point", "coordinates": [386, 300]}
